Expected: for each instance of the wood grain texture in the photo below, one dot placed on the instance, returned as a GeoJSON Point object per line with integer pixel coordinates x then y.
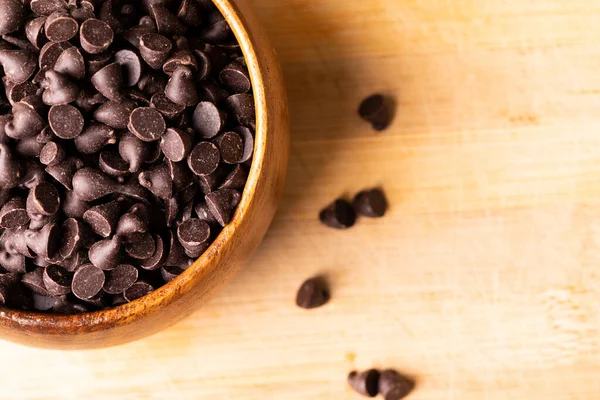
{"type": "Point", "coordinates": [483, 279]}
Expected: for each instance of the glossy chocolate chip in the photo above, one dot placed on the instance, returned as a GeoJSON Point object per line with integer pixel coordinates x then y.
{"type": "Point", "coordinates": [18, 65]}
{"type": "Point", "coordinates": [46, 241]}
{"type": "Point", "coordinates": [94, 137]}
{"type": "Point", "coordinates": [235, 78]}
{"type": "Point", "coordinates": [193, 233]}
{"type": "Point", "coordinates": [13, 214]}
{"type": "Point", "coordinates": [60, 26]}
{"type": "Point", "coordinates": [155, 49]}
{"type": "Point", "coordinates": [181, 58]}
{"type": "Point", "coordinates": [95, 62]}
{"type": "Point", "coordinates": [338, 215]}
{"type": "Point", "coordinates": [75, 234]}
{"type": "Point", "coordinates": [11, 168]}
{"type": "Point", "coordinates": [217, 33]}
{"type": "Point", "coordinates": [106, 254]}
{"type": "Point", "coordinates": [103, 218]}
{"type": "Point", "coordinates": [147, 124]}
{"type": "Point", "coordinates": [313, 293]}
{"type": "Point", "coordinates": [137, 290]}
{"type": "Point", "coordinates": [204, 158]}
{"type": "Point", "coordinates": [58, 89]}
{"type": "Point", "coordinates": [47, 7]}
{"type": "Point", "coordinates": [52, 153]}
{"type": "Point", "coordinates": [90, 184]}
{"type": "Point", "coordinates": [236, 179]}
{"type": "Point", "coordinates": [190, 13]}
{"type": "Point", "coordinates": [65, 121]}
{"type": "Point", "coordinates": [74, 206]}
{"type": "Point", "coordinates": [109, 81]}
{"type": "Point", "coordinates": [49, 54]}
{"type": "Point", "coordinates": [365, 383]}
{"type": "Point", "coordinates": [43, 199]}
{"type": "Point", "coordinates": [181, 89]}
{"type": "Point", "coordinates": [12, 16]}
{"type": "Point", "coordinates": [208, 120]}
{"type": "Point", "coordinates": [131, 66]}
{"type": "Point", "coordinates": [71, 63]}
{"type": "Point", "coordinates": [119, 279]}
{"type": "Point", "coordinates": [166, 22]}
{"type": "Point", "coordinates": [370, 203]}
{"type": "Point", "coordinates": [111, 163]}
{"type": "Point", "coordinates": [34, 30]}
{"type": "Point", "coordinates": [222, 204]}
{"type": "Point", "coordinates": [95, 36]}
{"type": "Point", "coordinates": [134, 151]}
{"type": "Point", "coordinates": [131, 227]}
{"type": "Point", "coordinates": [248, 139]}
{"type": "Point", "coordinates": [158, 181]}
{"type": "Point", "coordinates": [142, 249]}
{"type": "Point", "coordinates": [175, 144]}
{"type": "Point", "coordinates": [17, 92]}
{"type": "Point", "coordinates": [26, 122]}
{"type": "Point", "coordinates": [64, 171]}
{"type": "Point", "coordinates": [241, 108]}
{"type": "Point", "coordinates": [394, 386]}
{"type": "Point", "coordinates": [113, 114]}
{"type": "Point", "coordinates": [165, 106]}
{"type": "Point", "coordinates": [88, 281]}
{"type": "Point", "coordinates": [375, 109]}
{"type": "Point", "coordinates": [231, 147]}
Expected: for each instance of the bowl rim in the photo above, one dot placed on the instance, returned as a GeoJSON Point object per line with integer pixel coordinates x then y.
{"type": "Point", "coordinates": [172, 291]}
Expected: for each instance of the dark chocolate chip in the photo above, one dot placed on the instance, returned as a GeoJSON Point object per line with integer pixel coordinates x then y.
{"type": "Point", "coordinates": [95, 62]}
{"type": "Point", "coordinates": [34, 30]}
{"type": "Point", "coordinates": [248, 139]}
{"type": "Point", "coordinates": [34, 281]}
{"type": "Point", "coordinates": [208, 120]}
{"type": "Point", "coordinates": [155, 49]}
{"type": "Point", "coordinates": [18, 92]}
{"type": "Point", "coordinates": [73, 206]}
{"type": "Point", "coordinates": [26, 122]}
{"type": "Point", "coordinates": [176, 254]}
{"type": "Point", "coordinates": [66, 121]}
{"type": "Point", "coordinates": [312, 293]}
{"type": "Point", "coordinates": [75, 234]}
{"type": "Point", "coordinates": [142, 249]}
{"type": "Point", "coordinates": [64, 171]}
{"type": "Point", "coordinates": [147, 124]}
{"type": "Point", "coordinates": [236, 179]}
{"type": "Point", "coordinates": [190, 13]}
{"type": "Point", "coordinates": [211, 92]}
{"type": "Point", "coordinates": [193, 233]}
{"type": "Point", "coordinates": [175, 144]}
{"type": "Point", "coordinates": [131, 228]}
{"type": "Point", "coordinates": [394, 386]}
{"type": "Point", "coordinates": [60, 26]}
{"type": "Point", "coordinates": [370, 203]}
{"type": "Point", "coordinates": [57, 280]}
{"type": "Point", "coordinates": [90, 184]}
{"type": "Point", "coordinates": [18, 65]}
{"type": "Point", "coordinates": [111, 163]}
{"type": "Point", "coordinates": [134, 34]}
{"type": "Point", "coordinates": [47, 7]}
{"type": "Point", "coordinates": [119, 279]}
{"type": "Point", "coordinates": [11, 168]}
{"type": "Point", "coordinates": [217, 33]}
{"type": "Point", "coordinates": [43, 199]}
{"type": "Point", "coordinates": [71, 63]}
{"type": "Point", "coordinates": [180, 174]}
{"type": "Point", "coordinates": [131, 66]}
{"type": "Point", "coordinates": [39, 221]}
{"type": "Point", "coordinates": [134, 151]}
{"type": "Point", "coordinates": [158, 181]}
{"type": "Point", "coordinates": [338, 215]}
{"type": "Point", "coordinates": [113, 114]}
{"type": "Point", "coordinates": [89, 99]}
{"type": "Point", "coordinates": [46, 303]}
{"type": "Point", "coordinates": [375, 109]}
{"type": "Point", "coordinates": [108, 81]}
{"type": "Point", "coordinates": [157, 259]}
{"type": "Point", "coordinates": [13, 262]}
{"type": "Point", "coordinates": [181, 58]}
{"type": "Point", "coordinates": [103, 218]}
{"type": "Point", "coordinates": [166, 22]}
{"type": "Point", "coordinates": [52, 153]}
{"type": "Point", "coordinates": [222, 204]}
{"type": "Point", "coordinates": [209, 183]}
{"type": "Point", "coordinates": [106, 254]}
{"type": "Point", "coordinates": [231, 147]}
{"type": "Point", "coordinates": [88, 281]}
{"type": "Point", "coordinates": [181, 89]}
{"type": "Point", "coordinates": [204, 158]}
{"type": "Point", "coordinates": [235, 78]}
{"type": "Point", "coordinates": [12, 16]}
{"type": "Point", "coordinates": [165, 106]}
{"type": "Point", "coordinates": [85, 12]}
{"type": "Point", "coordinates": [58, 89]}
{"type": "Point", "coordinates": [94, 137]}
{"type": "Point", "coordinates": [95, 36]}
{"type": "Point", "coordinates": [137, 290]}
{"type": "Point", "coordinates": [48, 56]}
{"type": "Point", "coordinates": [108, 14]}
{"type": "Point", "coordinates": [14, 242]}
{"type": "Point", "coordinates": [152, 83]}
{"type": "Point", "coordinates": [203, 213]}
{"type": "Point", "coordinates": [365, 383]}
{"type": "Point", "coordinates": [169, 273]}
{"type": "Point", "coordinates": [13, 214]}
{"type": "Point", "coordinates": [241, 107]}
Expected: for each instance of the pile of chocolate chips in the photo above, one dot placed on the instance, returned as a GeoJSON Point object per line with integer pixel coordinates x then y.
{"type": "Point", "coordinates": [126, 135]}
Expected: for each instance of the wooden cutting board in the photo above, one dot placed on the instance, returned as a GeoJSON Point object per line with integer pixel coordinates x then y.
{"type": "Point", "coordinates": [483, 281]}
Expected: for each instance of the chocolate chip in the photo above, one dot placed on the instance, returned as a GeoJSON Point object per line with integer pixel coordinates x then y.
{"type": "Point", "coordinates": [147, 124]}
{"type": "Point", "coordinates": [142, 249]}
{"type": "Point", "coordinates": [43, 199]}
{"type": "Point", "coordinates": [113, 114]}
{"type": "Point", "coordinates": [365, 383]}
{"type": "Point", "coordinates": [176, 254]}
{"type": "Point", "coordinates": [236, 179]}
{"type": "Point", "coordinates": [13, 262]}
{"type": "Point", "coordinates": [13, 214]}
{"type": "Point", "coordinates": [204, 158]}
{"type": "Point", "coordinates": [12, 16]}
{"type": "Point", "coordinates": [248, 139]}
{"type": "Point", "coordinates": [134, 151]}
{"type": "Point", "coordinates": [14, 242]}
{"type": "Point", "coordinates": [49, 54]}
{"type": "Point", "coordinates": [60, 26]}
{"type": "Point", "coordinates": [166, 22]}
{"type": "Point", "coordinates": [231, 147]}
{"type": "Point", "coordinates": [131, 228]}
{"type": "Point", "coordinates": [375, 109]}
{"type": "Point", "coordinates": [18, 65]}
{"type": "Point", "coordinates": [121, 278]}
{"type": "Point", "coordinates": [157, 259]}
{"type": "Point", "coordinates": [158, 181]}
{"type": "Point", "coordinates": [57, 280]}
{"type": "Point", "coordinates": [181, 89]}
{"type": "Point", "coordinates": [95, 36]}
{"type": "Point", "coordinates": [165, 106]}
{"type": "Point", "coordinates": [203, 213]}
{"type": "Point", "coordinates": [190, 13]}
{"type": "Point", "coordinates": [47, 7]}
{"type": "Point", "coordinates": [64, 171]}
{"type": "Point", "coordinates": [75, 234]}
{"type": "Point", "coordinates": [313, 293]}
{"type": "Point", "coordinates": [18, 92]}
{"type": "Point", "coordinates": [94, 137]}
{"type": "Point", "coordinates": [88, 281]}
{"type": "Point", "coordinates": [52, 153]}
{"type": "Point", "coordinates": [58, 89]}
{"type": "Point", "coordinates": [169, 273]}
{"type": "Point", "coordinates": [222, 204]}
{"type": "Point", "coordinates": [137, 290]}
{"type": "Point", "coordinates": [71, 63]}
{"type": "Point", "coordinates": [155, 49]}
{"type": "Point", "coordinates": [103, 218]}
{"type": "Point", "coordinates": [241, 107]}
{"type": "Point", "coordinates": [217, 32]}
{"type": "Point", "coordinates": [193, 233]}
{"type": "Point", "coordinates": [175, 144]}
{"type": "Point", "coordinates": [131, 66]}
{"type": "Point", "coordinates": [111, 163]}
{"type": "Point", "coordinates": [208, 120]}
{"type": "Point", "coordinates": [66, 121]}
{"type": "Point", "coordinates": [181, 58]}
{"type": "Point", "coordinates": [90, 184]}
{"type": "Point", "coordinates": [106, 254]}
{"type": "Point", "coordinates": [152, 83]}
{"type": "Point", "coordinates": [235, 78]}
{"type": "Point", "coordinates": [338, 215]}
{"type": "Point", "coordinates": [134, 34]}
{"type": "Point", "coordinates": [34, 30]}
{"type": "Point", "coordinates": [394, 386]}
{"type": "Point", "coordinates": [95, 62]}
{"type": "Point", "coordinates": [89, 99]}
{"type": "Point", "coordinates": [108, 81]}
{"type": "Point", "coordinates": [11, 169]}
{"type": "Point", "coordinates": [370, 203]}
{"type": "Point", "coordinates": [34, 281]}
{"type": "Point", "coordinates": [26, 122]}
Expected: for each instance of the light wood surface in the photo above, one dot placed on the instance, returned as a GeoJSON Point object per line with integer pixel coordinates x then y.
{"type": "Point", "coordinates": [483, 280]}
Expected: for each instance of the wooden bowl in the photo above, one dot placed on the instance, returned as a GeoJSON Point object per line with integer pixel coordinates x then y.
{"type": "Point", "coordinates": [226, 255]}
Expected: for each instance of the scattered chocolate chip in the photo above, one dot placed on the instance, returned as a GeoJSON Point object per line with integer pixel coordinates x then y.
{"type": "Point", "coordinates": [66, 121]}
{"type": "Point", "coordinates": [375, 109]}
{"type": "Point", "coordinates": [95, 36]}
{"type": "Point", "coordinates": [370, 203]}
{"type": "Point", "coordinates": [338, 215]}
{"type": "Point", "coordinates": [59, 89]}
{"type": "Point", "coordinates": [75, 235]}
{"type": "Point", "coordinates": [131, 228]}
{"type": "Point", "coordinates": [17, 92]}
{"type": "Point", "coordinates": [34, 281]}
{"type": "Point", "coordinates": [18, 65]}
{"type": "Point", "coordinates": [158, 181]}
{"type": "Point", "coordinates": [175, 144]}
{"type": "Point", "coordinates": [222, 203]}
{"type": "Point", "coordinates": [94, 137]}
{"type": "Point", "coordinates": [13, 214]}
{"type": "Point", "coordinates": [34, 30]}
{"type": "Point", "coordinates": [394, 386]}
{"type": "Point", "coordinates": [90, 184]}
{"type": "Point", "coordinates": [142, 249]}
{"type": "Point", "coordinates": [157, 259]}
{"type": "Point", "coordinates": [241, 106]}
{"type": "Point", "coordinates": [166, 22]}
{"type": "Point", "coordinates": [134, 151]}
{"type": "Point", "coordinates": [88, 281]}
{"type": "Point", "coordinates": [147, 124]}
{"type": "Point", "coordinates": [95, 62]}
{"type": "Point", "coordinates": [208, 120]}
{"type": "Point", "coordinates": [312, 294]}
{"type": "Point", "coordinates": [111, 163]}
{"type": "Point", "coordinates": [365, 383]}
{"type": "Point", "coordinates": [235, 78]}
{"type": "Point", "coordinates": [193, 233]}
{"type": "Point", "coordinates": [106, 254]}
{"type": "Point", "coordinates": [64, 171]}
{"type": "Point", "coordinates": [47, 7]}
{"type": "Point", "coordinates": [43, 199]}
{"type": "Point", "coordinates": [181, 88]}
{"type": "Point", "coordinates": [217, 32]}
{"type": "Point", "coordinates": [236, 179]}
{"type": "Point", "coordinates": [26, 122]}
